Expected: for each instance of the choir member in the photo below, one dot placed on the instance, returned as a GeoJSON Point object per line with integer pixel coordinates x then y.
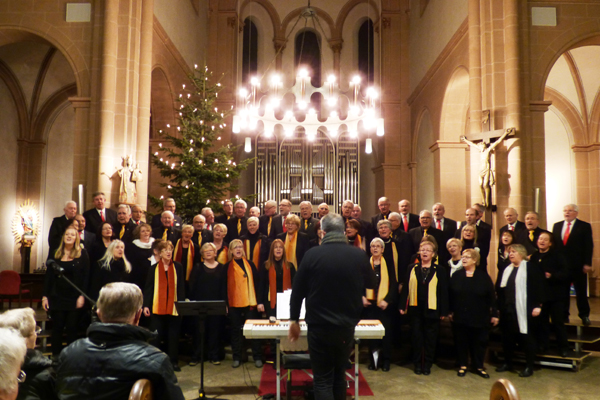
{"type": "Point", "coordinates": [296, 243]}
{"type": "Point", "coordinates": [256, 244]}
{"type": "Point", "coordinates": [277, 276]}
{"type": "Point", "coordinates": [353, 229]}
{"type": "Point", "coordinates": [139, 253]}
{"type": "Point", "coordinates": [219, 233]}
{"type": "Point", "coordinates": [454, 247]}
{"type": "Point", "coordinates": [184, 252]}
{"type": "Point", "coordinates": [112, 267]}
{"type": "Point", "coordinates": [507, 238]}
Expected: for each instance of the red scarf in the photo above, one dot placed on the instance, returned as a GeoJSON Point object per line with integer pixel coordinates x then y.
{"type": "Point", "coordinates": [165, 293]}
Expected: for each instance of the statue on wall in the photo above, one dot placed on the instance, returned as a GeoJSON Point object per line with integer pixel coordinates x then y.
{"type": "Point", "coordinates": [129, 178]}
{"type": "Point", "coordinates": [487, 177]}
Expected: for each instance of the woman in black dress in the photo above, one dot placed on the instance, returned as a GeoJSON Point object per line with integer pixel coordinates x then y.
{"type": "Point", "coordinates": [104, 237]}
{"type": "Point", "coordinates": [277, 276]}
{"type": "Point", "coordinates": [556, 288]}
{"type": "Point", "coordinates": [454, 247]}
{"type": "Point", "coordinates": [63, 302]}
{"type": "Point", "coordinates": [468, 237]}
{"type": "Point", "coordinates": [112, 267]}
{"type": "Point", "coordinates": [208, 281]}
{"type": "Point", "coordinates": [424, 298]}
{"type": "Point", "coordinates": [139, 253]}
{"type": "Point", "coordinates": [520, 294]}
{"type": "Point", "coordinates": [472, 308]}
{"type": "Point", "coordinates": [507, 238]}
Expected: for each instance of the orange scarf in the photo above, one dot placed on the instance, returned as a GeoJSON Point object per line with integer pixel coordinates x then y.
{"type": "Point", "coordinates": [165, 292]}
{"type": "Point", "coordinates": [254, 254]}
{"type": "Point", "coordinates": [290, 249]}
{"type": "Point", "coordinates": [190, 257]}
{"type": "Point", "coordinates": [222, 255]}
{"type": "Point", "coordinates": [287, 283]}
{"type": "Point", "coordinates": [240, 285]}
{"type": "Point", "coordinates": [358, 242]}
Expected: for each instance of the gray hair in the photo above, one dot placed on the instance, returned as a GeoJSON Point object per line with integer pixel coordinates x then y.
{"type": "Point", "coordinates": [12, 355]}
{"type": "Point", "coordinates": [202, 217]}
{"type": "Point", "coordinates": [574, 206]}
{"type": "Point", "coordinates": [384, 222]}
{"type": "Point", "coordinates": [162, 214]}
{"type": "Point", "coordinates": [168, 200]}
{"type": "Point", "coordinates": [206, 210]}
{"type": "Point", "coordinates": [240, 201]}
{"type": "Point", "coordinates": [119, 302]}
{"type": "Point", "coordinates": [126, 207]}
{"type": "Point", "coordinates": [333, 222]}
{"type": "Point", "coordinates": [423, 212]}
{"type": "Point", "coordinates": [70, 202]}
{"type": "Point", "coordinates": [306, 203]}
{"type": "Point", "coordinates": [271, 203]}
{"type": "Point", "coordinates": [394, 214]}
{"type": "Point", "coordinates": [378, 240]}
{"type": "Point", "coordinates": [20, 319]}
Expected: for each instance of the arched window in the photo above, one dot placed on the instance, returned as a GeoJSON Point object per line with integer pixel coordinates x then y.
{"type": "Point", "coordinates": [250, 51]}
{"type": "Point", "coordinates": [365, 50]}
{"type": "Point", "coordinates": [308, 53]}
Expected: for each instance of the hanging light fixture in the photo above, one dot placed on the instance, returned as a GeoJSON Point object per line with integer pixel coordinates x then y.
{"type": "Point", "coordinates": [265, 111]}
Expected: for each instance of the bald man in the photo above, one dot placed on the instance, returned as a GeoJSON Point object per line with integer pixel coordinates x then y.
{"type": "Point", "coordinates": [409, 221]}
{"type": "Point", "coordinates": [512, 222]}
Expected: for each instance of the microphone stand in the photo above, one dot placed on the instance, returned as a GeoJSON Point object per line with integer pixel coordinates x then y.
{"type": "Point", "coordinates": [58, 270]}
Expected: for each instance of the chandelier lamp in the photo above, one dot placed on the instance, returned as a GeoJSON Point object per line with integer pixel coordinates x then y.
{"type": "Point", "coordinates": [279, 110]}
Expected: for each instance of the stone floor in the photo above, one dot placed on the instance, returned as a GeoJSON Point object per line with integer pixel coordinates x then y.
{"type": "Point", "coordinates": [400, 382]}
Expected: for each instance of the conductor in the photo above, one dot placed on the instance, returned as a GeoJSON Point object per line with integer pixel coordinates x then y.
{"type": "Point", "coordinates": [332, 279]}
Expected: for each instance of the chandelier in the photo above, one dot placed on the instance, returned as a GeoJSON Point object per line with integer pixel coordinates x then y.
{"type": "Point", "coordinates": [274, 111]}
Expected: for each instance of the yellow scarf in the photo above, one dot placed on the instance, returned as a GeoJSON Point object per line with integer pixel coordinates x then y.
{"type": "Point", "coordinates": [165, 290]}
{"type": "Point", "coordinates": [290, 249]}
{"type": "Point", "coordinates": [383, 285]}
{"type": "Point", "coordinates": [253, 255]}
{"type": "Point", "coordinates": [190, 257]}
{"type": "Point", "coordinates": [413, 285]}
{"type": "Point", "coordinates": [395, 257]}
{"type": "Point", "coordinates": [240, 285]}
{"type": "Point", "coordinates": [222, 255]}
{"type": "Point", "coordinates": [358, 242]}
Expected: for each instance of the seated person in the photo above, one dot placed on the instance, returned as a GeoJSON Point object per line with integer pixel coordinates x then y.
{"type": "Point", "coordinates": [12, 353]}
{"type": "Point", "coordinates": [40, 375]}
{"type": "Point", "coordinates": [107, 363]}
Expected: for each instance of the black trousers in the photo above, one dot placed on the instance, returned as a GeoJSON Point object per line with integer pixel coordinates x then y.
{"type": "Point", "coordinates": [385, 317]}
{"type": "Point", "coordinates": [214, 326]}
{"type": "Point", "coordinates": [580, 281]}
{"type": "Point", "coordinates": [62, 319]}
{"type": "Point", "coordinates": [555, 310]}
{"type": "Point", "coordinates": [168, 328]}
{"type": "Point", "coordinates": [511, 334]}
{"type": "Point", "coordinates": [424, 332]}
{"type": "Point", "coordinates": [329, 348]}
{"type": "Point", "coordinates": [472, 340]}
{"type": "Point", "coordinates": [237, 317]}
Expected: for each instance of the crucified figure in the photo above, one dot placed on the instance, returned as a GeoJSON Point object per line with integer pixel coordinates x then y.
{"type": "Point", "coordinates": [487, 178]}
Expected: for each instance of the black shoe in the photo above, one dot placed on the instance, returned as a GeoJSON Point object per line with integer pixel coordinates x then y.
{"type": "Point", "coordinates": [563, 352]}
{"type": "Point", "coordinates": [193, 363]}
{"type": "Point", "coordinates": [386, 366]}
{"type": "Point", "coordinates": [176, 367]}
{"type": "Point", "coordinates": [462, 372]}
{"type": "Point", "coordinates": [426, 371]}
{"type": "Point", "coordinates": [235, 364]}
{"type": "Point", "coordinates": [527, 372]}
{"type": "Point", "coordinates": [482, 373]}
{"type": "Point", "coordinates": [504, 368]}
{"type": "Point", "coordinates": [586, 321]}
{"type": "Point", "coordinates": [418, 370]}
{"type": "Point", "coordinates": [372, 366]}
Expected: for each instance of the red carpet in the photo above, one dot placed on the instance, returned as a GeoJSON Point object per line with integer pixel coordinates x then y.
{"type": "Point", "coordinates": [269, 376]}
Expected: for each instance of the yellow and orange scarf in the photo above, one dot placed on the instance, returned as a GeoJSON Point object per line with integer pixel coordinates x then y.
{"type": "Point", "coordinates": [165, 290]}
{"type": "Point", "coordinates": [254, 255]}
{"type": "Point", "coordinates": [290, 249]}
{"type": "Point", "coordinates": [240, 285]}
{"type": "Point", "coordinates": [287, 283]}
{"type": "Point", "coordinates": [223, 255]}
{"type": "Point", "coordinates": [189, 264]}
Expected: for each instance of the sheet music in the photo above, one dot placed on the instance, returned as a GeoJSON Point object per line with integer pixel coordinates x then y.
{"type": "Point", "coordinates": [283, 305]}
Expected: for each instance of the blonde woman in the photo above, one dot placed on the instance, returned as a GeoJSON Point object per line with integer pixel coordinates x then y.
{"type": "Point", "coordinates": [242, 282]}
{"type": "Point", "coordinates": [62, 301]}
{"type": "Point", "coordinates": [112, 267]}
{"type": "Point", "coordinates": [219, 234]}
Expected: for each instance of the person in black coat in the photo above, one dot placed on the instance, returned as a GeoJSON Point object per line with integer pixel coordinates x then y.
{"type": "Point", "coordinates": [409, 220]}
{"type": "Point", "coordinates": [308, 224]}
{"type": "Point", "coordinates": [62, 301]}
{"type": "Point", "coordinates": [167, 231]}
{"type": "Point", "coordinates": [139, 253]}
{"type": "Point", "coordinates": [168, 205]}
{"type": "Point", "coordinates": [256, 245]}
{"type": "Point", "coordinates": [276, 276]}
{"type": "Point", "coordinates": [520, 291]}
{"type": "Point", "coordinates": [484, 234]}
{"type": "Point", "coordinates": [440, 222]}
{"type": "Point", "coordinates": [556, 287]}
{"type": "Point", "coordinates": [424, 308]}
{"type": "Point", "coordinates": [266, 220]}
{"type": "Point", "coordinates": [237, 224]}
{"type": "Point", "coordinates": [112, 267]}
{"type": "Point", "coordinates": [59, 224]}
{"type": "Point", "coordinates": [506, 239]}
{"type": "Point", "coordinates": [292, 238]}
{"type": "Point", "coordinates": [208, 281]}
{"type": "Point", "coordinates": [201, 235]}
{"type": "Point", "coordinates": [417, 234]}
{"type": "Point", "coordinates": [104, 237]}
{"type": "Point", "coordinates": [87, 238]}
{"type": "Point", "coordinates": [512, 222]}
{"type": "Point", "coordinates": [165, 285]}
{"type": "Point", "coordinates": [40, 376]}
{"type": "Point", "coordinates": [528, 237]}
{"type": "Point", "coordinates": [472, 309]}
{"type": "Point", "coordinates": [125, 226]}
{"type": "Point", "coordinates": [384, 211]}
{"type": "Point", "coordinates": [94, 217]}
{"type": "Point", "coordinates": [574, 238]}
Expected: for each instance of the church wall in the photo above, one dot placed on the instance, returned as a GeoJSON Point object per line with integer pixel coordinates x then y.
{"type": "Point", "coordinates": [8, 178]}
{"type": "Point", "coordinates": [186, 26]}
{"type": "Point", "coordinates": [430, 32]}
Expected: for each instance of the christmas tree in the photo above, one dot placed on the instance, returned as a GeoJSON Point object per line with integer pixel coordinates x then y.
{"type": "Point", "coordinates": [201, 173]}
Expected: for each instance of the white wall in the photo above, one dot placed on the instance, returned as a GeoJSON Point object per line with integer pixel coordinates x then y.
{"type": "Point", "coordinates": [425, 162]}
{"type": "Point", "coordinates": [430, 33]}
{"type": "Point", "coordinates": [8, 177]}
{"type": "Point", "coordinates": [560, 168]}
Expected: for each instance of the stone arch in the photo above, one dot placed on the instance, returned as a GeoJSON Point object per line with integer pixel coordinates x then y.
{"type": "Point", "coordinates": [162, 102]}
{"type": "Point", "coordinates": [455, 106]}
{"type": "Point", "coordinates": [275, 21]}
{"type": "Point", "coordinates": [347, 8]}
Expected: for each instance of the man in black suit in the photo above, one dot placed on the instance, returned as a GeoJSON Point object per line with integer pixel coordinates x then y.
{"type": "Point", "coordinates": [425, 228]}
{"type": "Point", "coordinates": [201, 235]}
{"type": "Point", "coordinates": [266, 220]}
{"type": "Point", "coordinates": [347, 208]}
{"type": "Point", "coordinates": [136, 214]}
{"type": "Point", "coordinates": [384, 211]}
{"type": "Point", "coordinates": [236, 225]}
{"type": "Point", "coordinates": [484, 234]}
{"type": "Point", "coordinates": [308, 224]}
{"type": "Point", "coordinates": [167, 231]}
{"type": "Point", "coordinates": [227, 212]}
{"type": "Point", "coordinates": [409, 220]}
{"type": "Point", "coordinates": [366, 228]}
{"type": "Point", "coordinates": [209, 218]}
{"type": "Point", "coordinates": [512, 222]}
{"type": "Point", "coordinates": [124, 227]}
{"type": "Point", "coordinates": [285, 207]}
{"type": "Point", "coordinates": [87, 239]}
{"type": "Point", "coordinates": [95, 217]}
{"type": "Point", "coordinates": [574, 237]}
{"type": "Point", "coordinates": [440, 222]}
{"type": "Point", "coordinates": [396, 220]}
{"type": "Point", "coordinates": [528, 237]}
{"type": "Point", "coordinates": [168, 205]}
{"type": "Point", "coordinates": [59, 224]}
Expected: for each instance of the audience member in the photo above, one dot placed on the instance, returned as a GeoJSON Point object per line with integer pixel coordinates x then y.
{"type": "Point", "coordinates": [12, 354]}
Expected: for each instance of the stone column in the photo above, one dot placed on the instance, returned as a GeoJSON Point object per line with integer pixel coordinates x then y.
{"type": "Point", "coordinates": [475, 95]}
{"type": "Point", "coordinates": [538, 158]}
{"type": "Point", "coordinates": [336, 47]}
{"type": "Point", "coordinates": [81, 107]}
{"type": "Point", "coordinates": [449, 163]}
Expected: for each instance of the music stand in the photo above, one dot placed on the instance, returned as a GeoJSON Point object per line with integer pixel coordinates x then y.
{"type": "Point", "coordinates": [201, 309]}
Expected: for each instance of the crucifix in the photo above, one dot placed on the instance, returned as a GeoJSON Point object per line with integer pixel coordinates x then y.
{"type": "Point", "coordinates": [485, 147]}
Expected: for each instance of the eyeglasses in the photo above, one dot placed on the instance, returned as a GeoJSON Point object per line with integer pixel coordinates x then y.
{"type": "Point", "coordinates": [38, 330]}
{"type": "Point", "coordinates": [21, 377]}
